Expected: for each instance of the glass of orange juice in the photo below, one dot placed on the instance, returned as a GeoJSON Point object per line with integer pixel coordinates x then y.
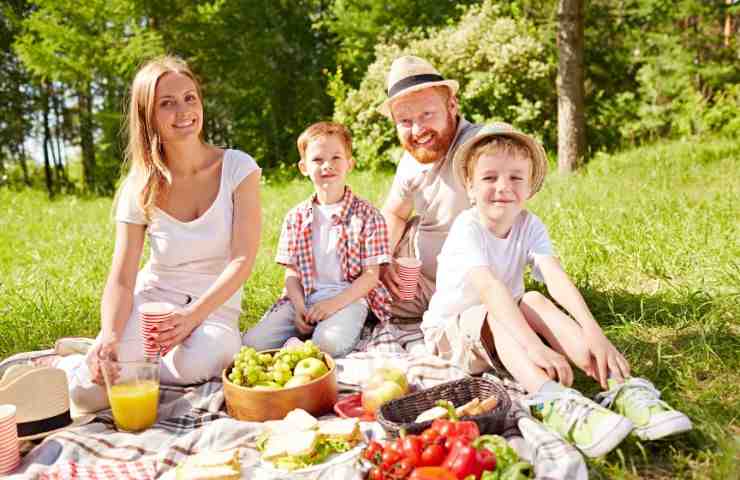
{"type": "Point", "coordinates": [132, 382]}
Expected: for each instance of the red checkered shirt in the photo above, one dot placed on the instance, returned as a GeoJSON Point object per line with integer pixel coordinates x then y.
{"type": "Point", "coordinates": [363, 241]}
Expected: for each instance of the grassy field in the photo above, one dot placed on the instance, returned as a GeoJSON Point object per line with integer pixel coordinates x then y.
{"type": "Point", "coordinates": [650, 237]}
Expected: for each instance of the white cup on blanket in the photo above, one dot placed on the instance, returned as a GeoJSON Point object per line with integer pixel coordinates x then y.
{"type": "Point", "coordinates": [10, 455]}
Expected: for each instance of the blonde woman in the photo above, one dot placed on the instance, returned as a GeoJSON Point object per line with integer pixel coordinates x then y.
{"type": "Point", "coordinates": [199, 207]}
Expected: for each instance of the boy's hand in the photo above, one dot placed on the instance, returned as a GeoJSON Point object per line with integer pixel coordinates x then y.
{"type": "Point", "coordinates": [605, 358]}
{"type": "Point", "coordinates": [321, 311]}
{"type": "Point", "coordinates": [301, 322]}
{"type": "Point", "coordinates": [554, 364]}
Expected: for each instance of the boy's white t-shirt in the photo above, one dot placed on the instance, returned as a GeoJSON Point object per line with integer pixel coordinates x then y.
{"type": "Point", "coordinates": [188, 257]}
{"type": "Point", "coordinates": [470, 244]}
{"type": "Point", "coordinates": [325, 238]}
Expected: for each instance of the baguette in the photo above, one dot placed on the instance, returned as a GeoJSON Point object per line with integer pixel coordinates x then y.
{"type": "Point", "coordinates": [468, 408]}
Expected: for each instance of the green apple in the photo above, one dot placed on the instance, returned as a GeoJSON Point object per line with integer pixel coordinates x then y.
{"type": "Point", "coordinates": [312, 367]}
{"type": "Point", "coordinates": [267, 386]}
{"type": "Point", "coordinates": [384, 374]}
{"type": "Point", "coordinates": [298, 380]}
{"type": "Point", "coordinates": [374, 398]}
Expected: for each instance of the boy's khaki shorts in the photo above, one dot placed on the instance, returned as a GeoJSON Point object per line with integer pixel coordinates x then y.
{"type": "Point", "coordinates": [467, 342]}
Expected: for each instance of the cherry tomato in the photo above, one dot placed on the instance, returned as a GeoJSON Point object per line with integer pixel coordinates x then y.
{"type": "Point", "coordinates": [389, 458]}
{"type": "Point", "coordinates": [401, 469]}
{"type": "Point", "coordinates": [376, 474]}
{"type": "Point", "coordinates": [433, 455]}
{"type": "Point", "coordinates": [445, 428]}
{"type": "Point", "coordinates": [412, 448]}
{"type": "Point", "coordinates": [429, 436]}
{"type": "Point", "coordinates": [373, 452]}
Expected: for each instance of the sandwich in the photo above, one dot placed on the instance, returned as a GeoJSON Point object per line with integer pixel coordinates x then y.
{"type": "Point", "coordinates": [300, 441]}
{"type": "Point", "coordinates": [210, 466]}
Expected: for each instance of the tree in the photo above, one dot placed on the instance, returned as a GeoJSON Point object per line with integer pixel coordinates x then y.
{"type": "Point", "coordinates": [87, 47]}
{"type": "Point", "coordinates": [571, 118]}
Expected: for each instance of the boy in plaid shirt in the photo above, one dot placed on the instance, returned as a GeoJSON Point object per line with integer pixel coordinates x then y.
{"type": "Point", "coordinates": [332, 246]}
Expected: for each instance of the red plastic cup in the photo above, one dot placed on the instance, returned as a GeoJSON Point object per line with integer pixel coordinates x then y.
{"type": "Point", "coordinates": [409, 269]}
{"type": "Point", "coordinates": [150, 315]}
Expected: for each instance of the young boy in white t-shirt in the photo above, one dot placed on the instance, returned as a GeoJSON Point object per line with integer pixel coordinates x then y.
{"type": "Point", "coordinates": [480, 313]}
{"type": "Point", "coordinates": [332, 246]}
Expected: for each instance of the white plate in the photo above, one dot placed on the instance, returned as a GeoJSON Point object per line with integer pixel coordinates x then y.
{"type": "Point", "coordinates": [341, 466]}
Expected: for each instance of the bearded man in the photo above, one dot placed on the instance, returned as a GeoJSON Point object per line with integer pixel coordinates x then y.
{"type": "Point", "coordinates": [425, 196]}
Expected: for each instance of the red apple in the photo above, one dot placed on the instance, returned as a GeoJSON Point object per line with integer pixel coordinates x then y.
{"type": "Point", "coordinates": [374, 398]}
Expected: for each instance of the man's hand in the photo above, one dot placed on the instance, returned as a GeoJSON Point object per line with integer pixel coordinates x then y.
{"type": "Point", "coordinates": [555, 365]}
{"type": "Point", "coordinates": [320, 311]}
{"type": "Point", "coordinates": [605, 358]}
{"type": "Point", "coordinates": [301, 322]}
{"type": "Point", "coordinates": [391, 280]}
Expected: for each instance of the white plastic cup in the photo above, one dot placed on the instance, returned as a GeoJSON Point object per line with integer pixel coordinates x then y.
{"type": "Point", "coordinates": [10, 455]}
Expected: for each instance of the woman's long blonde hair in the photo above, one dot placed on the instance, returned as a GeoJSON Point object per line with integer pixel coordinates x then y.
{"type": "Point", "coordinates": [144, 153]}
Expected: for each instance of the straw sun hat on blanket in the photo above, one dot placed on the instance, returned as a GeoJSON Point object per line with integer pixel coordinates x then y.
{"type": "Point", "coordinates": [41, 397]}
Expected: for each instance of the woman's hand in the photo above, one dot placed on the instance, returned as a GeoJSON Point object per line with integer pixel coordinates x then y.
{"type": "Point", "coordinates": [605, 358]}
{"type": "Point", "coordinates": [175, 329]}
{"type": "Point", "coordinates": [300, 321]}
{"type": "Point", "coordinates": [320, 311]}
{"type": "Point", "coordinates": [105, 349]}
{"type": "Point", "coordinates": [555, 365]}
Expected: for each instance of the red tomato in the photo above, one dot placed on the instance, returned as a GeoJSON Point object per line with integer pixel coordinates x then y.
{"type": "Point", "coordinates": [444, 427]}
{"type": "Point", "coordinates": [376, 474]}
{"type": "Point", "coordinates": [373, 452]}
{"type": "Point", "coordinates": [433, 455]}
{"type": "Point", "coordinates": [389, 458]}
{"type": "Point", "coordinates": [394, 446]}
{"type": "Point", "coordinates": [429, 436]}
{"type": "Point", "coordinates": [412, 448]}
{"type": "Point", "coordinates": [402, 469]}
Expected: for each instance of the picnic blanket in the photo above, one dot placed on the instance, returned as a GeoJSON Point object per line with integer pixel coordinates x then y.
{"type": "Point", "coordinates": [193, 419]}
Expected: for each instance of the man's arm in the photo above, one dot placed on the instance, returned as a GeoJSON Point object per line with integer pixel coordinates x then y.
{"type": "Point", "coordinates": [396, 212]}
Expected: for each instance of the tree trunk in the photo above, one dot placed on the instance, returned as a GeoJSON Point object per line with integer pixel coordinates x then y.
{"type": "Point", "coordinates": [58, 139]}
{"type": "Point", "coordinates": [47, 143]}
{"type": "Point", "coordinates": [571, 119]}
{"type": "Point", "coordinates": [728, 23]}
{"type": "Point", "coordinates": [87, 142]}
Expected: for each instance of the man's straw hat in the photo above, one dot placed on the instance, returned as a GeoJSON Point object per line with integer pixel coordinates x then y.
{"type": "Point", "coordinates": [500, 129]}
{"type": "Point", "coordinates": [411, 74]}
{"type": "Point", "coordinates": [41, 398]}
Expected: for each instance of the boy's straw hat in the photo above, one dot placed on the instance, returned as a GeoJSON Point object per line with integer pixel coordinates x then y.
{"type": "Point", "coordinates": [41, 398]}
{"type": "Point", "coordinates": [500, 129]}
{"type": "Point", "coordinates": [411, 74]}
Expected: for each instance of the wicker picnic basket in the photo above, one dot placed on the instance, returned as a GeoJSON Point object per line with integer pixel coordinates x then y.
{"type": "Point", "coordinates": [400, 413]}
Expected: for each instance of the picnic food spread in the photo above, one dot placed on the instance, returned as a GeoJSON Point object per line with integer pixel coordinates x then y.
{"type": "Point", "coordinates": [448, 450]}
{"type": "Point", "coordinates": [299, 440]}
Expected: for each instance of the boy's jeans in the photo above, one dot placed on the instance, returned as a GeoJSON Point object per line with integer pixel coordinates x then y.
{"type": "Point", "coordinates": [337, 335]}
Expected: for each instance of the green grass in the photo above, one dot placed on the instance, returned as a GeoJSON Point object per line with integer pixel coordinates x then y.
{"type": "Point", "coordinates": [650, 237]}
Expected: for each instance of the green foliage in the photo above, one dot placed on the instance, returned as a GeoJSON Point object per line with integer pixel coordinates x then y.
{"type": "Point", "coordinates": [358, 25]}
{"type": "Point", "coordinates": [504, 69]}
{"type": "Point", "coordinates": [89, 47]}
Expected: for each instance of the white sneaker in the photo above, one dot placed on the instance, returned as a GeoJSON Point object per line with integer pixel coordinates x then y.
{"type": "Point", "coordinates": [639, 400]}
{"type": "Point", "coordinates": [594, 430]}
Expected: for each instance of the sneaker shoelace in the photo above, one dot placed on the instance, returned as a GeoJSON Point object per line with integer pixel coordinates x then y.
{"type": "Point", "coordinates": [638, 392]}
{"type": "Point", "coordinates": [574, 407]}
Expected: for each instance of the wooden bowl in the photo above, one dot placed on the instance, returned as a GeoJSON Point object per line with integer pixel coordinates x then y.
{"type": "Point", "coordinates": [316, 397]}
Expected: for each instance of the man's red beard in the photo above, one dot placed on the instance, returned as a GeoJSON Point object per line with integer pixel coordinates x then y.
{"type": "Point", "coordinates": [438, 146]}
